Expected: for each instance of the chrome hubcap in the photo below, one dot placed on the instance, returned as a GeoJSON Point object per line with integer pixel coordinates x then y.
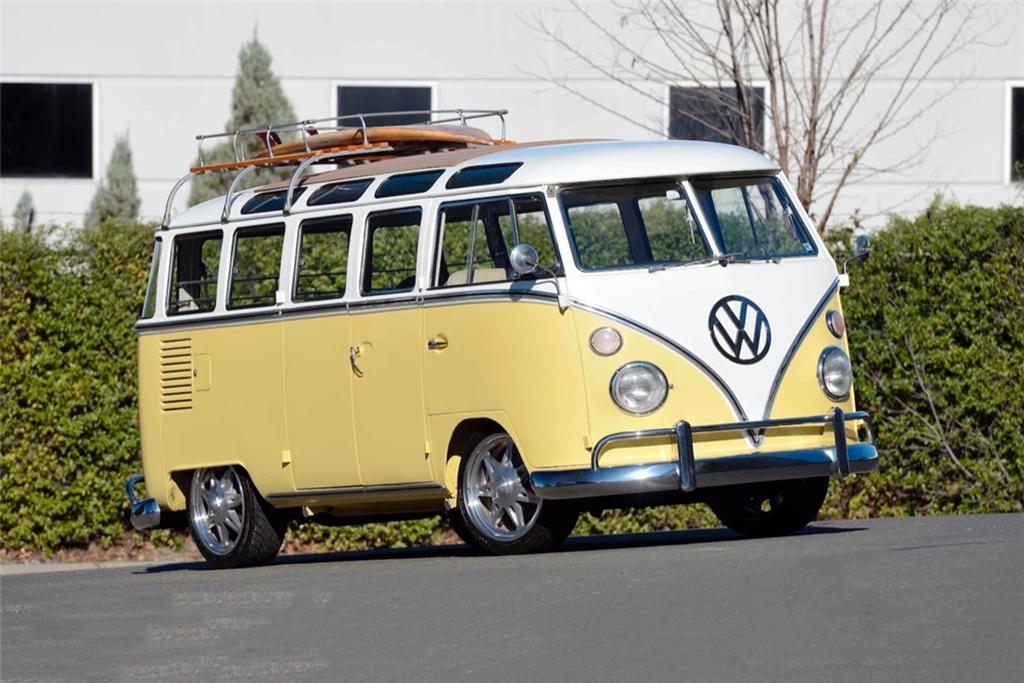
{"type": "Point", "coordinates": [217, 508]}
{"type": "Point", "coordinates": [498, 498]}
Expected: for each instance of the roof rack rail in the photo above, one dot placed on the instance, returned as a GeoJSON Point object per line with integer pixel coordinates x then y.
{"type": "Point", "coordinates": [360, 147]}
{"type": "Point", "coordinates": [270, 134]}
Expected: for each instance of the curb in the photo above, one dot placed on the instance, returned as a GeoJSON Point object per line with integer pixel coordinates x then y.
{"type": "Point", "coordinates": [16, 568]}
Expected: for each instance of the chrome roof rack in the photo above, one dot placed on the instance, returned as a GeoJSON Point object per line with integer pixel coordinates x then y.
{"type": "Point", "coordinates": [364, 151]}
{"type": "Point", "coordinates": [308, 127]}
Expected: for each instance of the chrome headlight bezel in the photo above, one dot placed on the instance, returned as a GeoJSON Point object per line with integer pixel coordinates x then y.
{"type": "Point", "coordinates": [660, 392]}
{"type": "Point", "coordinates": [836, 323]}
{"type": "Point", "coordinates": [829, 388]}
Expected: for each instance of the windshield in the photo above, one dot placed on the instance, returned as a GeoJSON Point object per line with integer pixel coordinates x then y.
{"type": "Point", "coordinates": [753, 218]}
{"type": "Point", "coordinates": [635, 225]}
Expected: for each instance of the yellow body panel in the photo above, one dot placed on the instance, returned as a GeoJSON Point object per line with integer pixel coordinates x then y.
{"type": "Point", "coordinates": [387, 397]}
{"type": "Point", "coordinates": [318, 396]}
{"type": "Point", "coordinates": [239, 419]}
{"type": "Point", "coordinates": [516, 362]}
{"type": "Point", "coordinates": [281, 398]}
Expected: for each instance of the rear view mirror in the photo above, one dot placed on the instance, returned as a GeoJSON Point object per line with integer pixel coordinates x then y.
{"type": "Point", "coordinates": [524, 259]}
{"type": "Point", "coordinates": [861, 248]}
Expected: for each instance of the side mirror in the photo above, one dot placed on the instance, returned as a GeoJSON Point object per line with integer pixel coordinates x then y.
{"type": "Point", "coordinates": [524, 259]}
{"type": "Point", "coordinates": [861, 248]}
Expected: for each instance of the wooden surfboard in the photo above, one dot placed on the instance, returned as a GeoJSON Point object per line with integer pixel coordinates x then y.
{"type": "Point", "coordinates": [429, 135]}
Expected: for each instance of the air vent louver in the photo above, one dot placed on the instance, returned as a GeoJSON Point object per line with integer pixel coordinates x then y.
{"type": "Point", "coordinates": [176, 374]}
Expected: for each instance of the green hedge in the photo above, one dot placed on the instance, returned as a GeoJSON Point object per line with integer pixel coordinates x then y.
{"type": "Point", "coordinates": [936, 330]}
{"type": "Point", "coordinates": [67, 367]}
{"type": "Point", "coordinates": [935, 318]}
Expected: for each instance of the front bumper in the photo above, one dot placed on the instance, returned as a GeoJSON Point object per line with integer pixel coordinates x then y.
{"type": "Point", "coordinates": [687, 474]}
{"type": "Point", "coordinates": [145, 513]}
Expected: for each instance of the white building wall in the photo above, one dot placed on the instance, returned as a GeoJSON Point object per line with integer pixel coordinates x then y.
{"type": "Point", "coordinates": [164, 72]}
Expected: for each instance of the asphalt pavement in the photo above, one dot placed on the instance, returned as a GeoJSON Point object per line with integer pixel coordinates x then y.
{"type": "Point", "coordinates": [923, 599]}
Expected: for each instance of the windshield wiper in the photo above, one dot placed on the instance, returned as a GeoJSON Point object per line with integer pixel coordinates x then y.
{"type": "Point", "coordinates": [722, 259]}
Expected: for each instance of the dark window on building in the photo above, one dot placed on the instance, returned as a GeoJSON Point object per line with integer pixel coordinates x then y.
{"type": "Point", "coordinates": [270, 201]}
{"type": "Point", "coordinates": [407, 183]}
{"type": "Point", "coordinates": [323, 258]}
{"type": "Point", "coordinates": [482, 175]}
{"type": "Point", "coordinates": [194, 273]}
{"type": "Point", "coordinates": [370, 99]}
{"type": "Point", "coordinates": [256, 266]}
{"type": "Point", "coordinates": [46, 130]}
{"type": "Point", "coordinates": [712, 114]}
{"type": "Point", "coordinates": [1017, 134]}
{"type": "Point", "coordinates": [339, 193]}
{"type": "Point", "coordinates": [391, 256]}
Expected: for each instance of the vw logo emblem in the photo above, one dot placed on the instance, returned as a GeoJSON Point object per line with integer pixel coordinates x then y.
{"type": "Point", "coordinates": [739, 330]}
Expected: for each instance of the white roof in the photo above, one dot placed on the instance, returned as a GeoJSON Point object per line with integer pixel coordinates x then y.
{"type": "Point", "coordinates": [545, 164]}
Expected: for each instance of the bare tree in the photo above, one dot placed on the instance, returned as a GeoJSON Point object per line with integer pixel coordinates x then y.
{"type": "Point", "coordinates": [812, 62]}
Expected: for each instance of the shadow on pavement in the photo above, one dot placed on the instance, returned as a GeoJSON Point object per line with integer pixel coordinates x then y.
{"type": "Point", "coordinates": [573, 544]}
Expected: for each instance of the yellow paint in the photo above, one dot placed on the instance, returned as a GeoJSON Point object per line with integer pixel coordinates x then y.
{"type": "Point", "coordinates": [387, 397]}
{"type": "Point", "coordinates": [318, 396]}
{"type": "Point", "coordinates": [290, 408]}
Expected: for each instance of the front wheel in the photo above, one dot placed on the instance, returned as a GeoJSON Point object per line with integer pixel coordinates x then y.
{"type": "Point", "coordinates": [230, 522]}
{"type": "Point", "coordinates": [770, 509]}
{"type": "Point", "coordinates": [498, 510]}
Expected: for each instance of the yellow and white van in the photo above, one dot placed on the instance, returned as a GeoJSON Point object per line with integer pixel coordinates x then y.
{"type": "Point", "coordinates": [506, 334]}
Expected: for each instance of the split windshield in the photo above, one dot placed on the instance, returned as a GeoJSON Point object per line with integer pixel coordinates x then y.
{"type": "Point", "coordinates": [651, 224]}
{"type": "Point", "coordinates": [752, 218]}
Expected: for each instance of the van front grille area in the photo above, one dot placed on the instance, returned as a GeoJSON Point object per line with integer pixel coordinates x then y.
{"type": "Point", "coordinates": [176, 374]}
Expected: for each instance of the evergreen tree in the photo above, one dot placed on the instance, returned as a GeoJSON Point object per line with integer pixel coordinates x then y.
{"type": "Point", "coordinates": [256, 100]}
{"type": "Point", "coordinates": [118, 194]}
{"type": "Point", "coordinates": [24, 212]}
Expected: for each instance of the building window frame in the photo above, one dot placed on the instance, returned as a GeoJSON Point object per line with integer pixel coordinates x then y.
{"type": "Point", "coordinates": [94, 165]}
{"type": "Point", "coordinates": [373, 83]}
{"type": "Point", "coordinates": [666, 124]}
{"type": "Point", "coordinates": [1008, 89]}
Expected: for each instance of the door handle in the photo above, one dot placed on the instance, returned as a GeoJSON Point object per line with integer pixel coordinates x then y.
{"type": "Point", "coordinates": [438, 343]}
{"type": "Point", "coordinates": [353, 358]}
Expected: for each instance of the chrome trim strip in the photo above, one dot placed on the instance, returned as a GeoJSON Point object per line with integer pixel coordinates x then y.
{"type": "Point", "coordinates": [337, 308]}
{"type": "Point", "coordinates": [358, 489]}
{"type": "Point", "coordinates": [708, 473]}
{"type": "Point", "coordinates": [797, 341]}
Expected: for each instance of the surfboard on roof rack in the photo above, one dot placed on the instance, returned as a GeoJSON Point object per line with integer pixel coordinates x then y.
{"type": "Point", "coordinates": [354, 143]}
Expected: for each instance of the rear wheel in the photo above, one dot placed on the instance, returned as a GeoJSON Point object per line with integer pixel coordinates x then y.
{"type": "Point", "coordinates": [772, 508]}
{"type": "Point", "coordinates": [498, 510]}
{"type": "Point", "coordinates": [231, 523]}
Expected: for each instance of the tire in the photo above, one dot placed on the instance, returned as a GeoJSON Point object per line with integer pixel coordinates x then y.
{"type": "Point", "coordinates": [498, 510]}
{"type": "Point", "coordinates": [770, 509]}
{"type": "Point", "coordinates": [231, 523]}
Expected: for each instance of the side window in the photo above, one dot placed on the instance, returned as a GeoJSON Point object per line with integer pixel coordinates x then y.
{"type": "Point", "coordinates": [194, 273]}
{"type": "Point", "coordinates": [323, 258]}
{"type": "Point", "coordinates": [149, 303]}
{"type": "Point", "coordinates": [477, 237]}
{"type": "Point", "coordinates": [255, 266]}
{"type": "Point", "coordinates": [599, 233]}
{"type": "Point", "coordinates": [392, 238]}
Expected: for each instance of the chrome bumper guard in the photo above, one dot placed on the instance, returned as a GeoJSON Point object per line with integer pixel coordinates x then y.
{"type": "Point", "coordinates": [146, 512]}
{"type": "Point", "coordinates": [687, 473]}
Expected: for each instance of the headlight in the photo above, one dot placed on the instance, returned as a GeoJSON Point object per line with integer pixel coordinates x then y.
{"type": "Point", "coordinates": [835, 375]}
{"type": "Point", "coordinates": [639, 387]}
